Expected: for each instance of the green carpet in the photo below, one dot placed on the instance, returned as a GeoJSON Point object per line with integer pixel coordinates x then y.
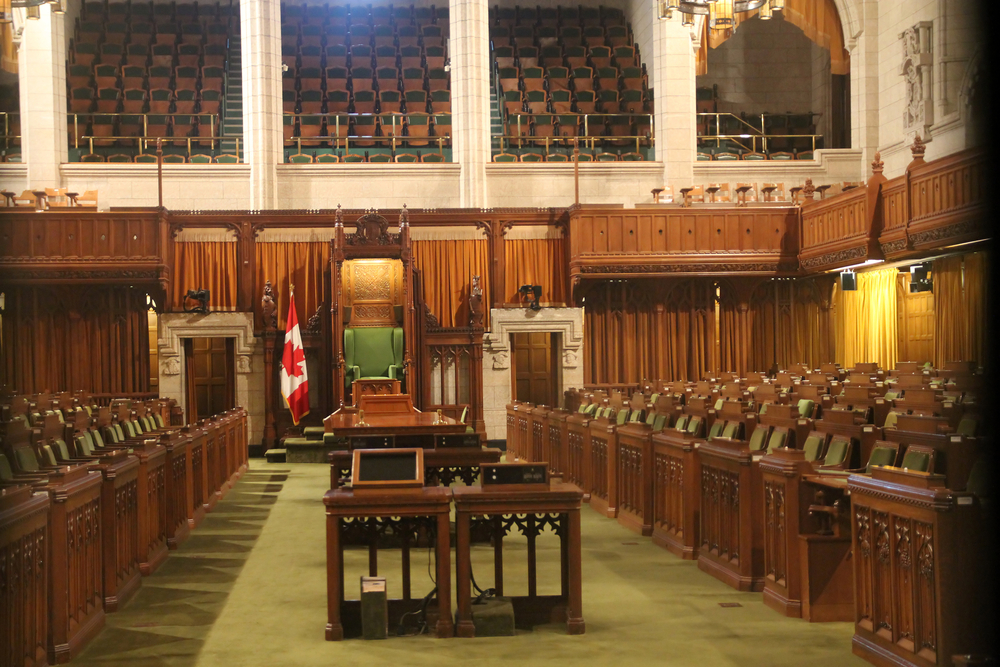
{"type": "Point", "coordinates": [248, 588]}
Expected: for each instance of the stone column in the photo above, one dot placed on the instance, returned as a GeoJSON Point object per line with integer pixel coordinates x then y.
{"type": "Point", "coordinates": [260, 31]}
{"type": "Point", "coordinates": [469, 49]}
{"type": "Point", "coordinates": [673, 81]}
{"type": "Point", "coordinates": [41, 63]}
{"type": "Point", "coordinates": [864, 50]}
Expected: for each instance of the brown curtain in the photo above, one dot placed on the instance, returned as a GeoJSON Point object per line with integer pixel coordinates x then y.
{"type": "Point", "coordinates": [303, 264]}
{"type": "Point", "coordinates": [866, 320]}
{"type": "Point", "coordinates": [207, 265]}
{"type": "Point", "coordinates": [446, 268]}
{"type": "Point", "coordinates": [536, 262]}
{"type": "Point", "coordinates": [960, 308]}
{"type": "Point", "coordinates": [819, 21]}
{"type": "Point", "coordinates": [67, 338]}
{"type": "Point", "coordinates": [636, 330]}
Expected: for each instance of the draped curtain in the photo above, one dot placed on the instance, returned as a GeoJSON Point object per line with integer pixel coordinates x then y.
{"type": "Point", "coordinates": [866, 320]}
{"type": "Point", "coordinates": [93, 339]}
{"type": "Point", "coordinates": [210, 265]}
{"type": "Point", "coordinates": [536, 262]}
{"type": "Point", "coordinates": [819, 20]}
{"type": "Point", "coordinates": [302, 264]}
{"type": "Point", "coordinates": [638, 330]}
{"type": "Point", "coordinates": [960, 308]}
{"type": "Point", "coordinates": [446, 268]}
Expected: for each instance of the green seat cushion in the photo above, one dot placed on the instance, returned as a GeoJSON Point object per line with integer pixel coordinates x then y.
{"type": "Point", "coordinates": [806, 408]}
{"type": "Point", "coordinates": [681, 422]}
{"type": "Point", "coordinates": [376, 352]}
{"type": "Point", "coordinates": [890, 420]}
{"type": "Point", "coordinates": [881, 456]}
{"type": "Point", "coordinates": [716, 428]}
{"type": "Point", "coordinates": [635, 417]}
{"type": "Point", "coordinates": [159, 420]}
{"type": "Point", "coordinates": [591, 409]}
{"type": "Point", "coordinates": [730, 429]}
{"type": "Point", "coordinates": [776, 441]}
{"type": "Point", "coordinates": [693, 425]}
{"type": "Point", "coordinates": [651, 417]}
{"type": "Point", "coordinates": [758, 439]}
{"type": "Point", "coordinates": [836, 453]}
{"type": "Point", "coordinates": [659, 422]}
{"type": "Point", "coordinates": [812, 446]}
{"type": "Point", "coordinates": [719, 403]}
{"type": "Point", "coordinates": [621, 417]}
{"type": "Point", "coordinates": [919, 461]}
{"type": "Point", "coordinates": [98, 438]}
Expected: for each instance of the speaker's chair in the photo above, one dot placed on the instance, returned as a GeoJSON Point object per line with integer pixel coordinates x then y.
{"type": "Point", "coordinates": [373, 352]}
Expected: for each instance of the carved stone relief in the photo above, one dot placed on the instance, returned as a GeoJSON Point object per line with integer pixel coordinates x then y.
{"type": "Point", "coordinates": [243, 364]}
{"type": "Point", "coordinates": [171, 366]}
{"type": "Point", "coordinates": [916, 68]}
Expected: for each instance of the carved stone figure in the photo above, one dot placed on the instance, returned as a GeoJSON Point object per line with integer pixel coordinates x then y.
{"type": "Point", "coordinates": [172, 366]}
{"type": "Point", "coordinates": [243, 364]}
{"type": "Point", "coordinates": [501, 360]}
{"type": "Point", "coordinates": [476, 314]}
{"type": "Point", "coordinates": [570, 358]}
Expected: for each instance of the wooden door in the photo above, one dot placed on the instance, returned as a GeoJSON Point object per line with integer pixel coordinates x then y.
{"type": "Point", "coordinates": [213, 383]}
{"type": "Point", "coordinates": [535, 379]}
{"type": "Point", "coordinates": [917, 326]}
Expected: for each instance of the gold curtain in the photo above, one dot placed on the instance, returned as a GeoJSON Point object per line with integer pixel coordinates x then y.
{"type": "Point", "coordinates": [960, 308]}
{"type": "Point", "coordinates": [303, 264]}
{"type": "Point", "coordinates": [656, 330]}
{"type": "Point", "coordinates": [535, 262]}
{"type": "Point", "coordinates": [819, 21]}
{"type": "Point", "coordinates": [446, 269]}
{"type": "Point", "coordinates": [866, 320]}
{"type": "Point", "coordinates": [8, 49]}
{"type": "Point", "coordinates": [207, 265]}
{"type": "Point", "coordinates": [65, 338]}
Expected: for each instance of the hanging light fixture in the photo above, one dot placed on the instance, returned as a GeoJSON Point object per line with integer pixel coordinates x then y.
{"type": "Point", "coordinates": [720, 15]}
{"type": "Point", "coordinates": [765, 12]}
{"type": "Point", "coordinates": [34, 12]}
{"type": "Point", "coordinates": [57, 6]}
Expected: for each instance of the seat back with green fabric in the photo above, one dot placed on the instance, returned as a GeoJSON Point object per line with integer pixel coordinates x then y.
{"type": "Point", "coordinates": [25, 459]}
{"type": "Point", "coordinates": [119, 433]}
{"type": "Point", "coordinates": [806, 408]}
{"type": "Point", "coordinates": [98, 438]}
{"type": "Point", "coordinates": [979, 480]}
{"type": "Point", "coordinates": [6, 473]}
{"type": "Point", "coordinates": [159, 420]}
{"type": "Point", "coordinates": [635, 417]}
{"type": "Point", "coordinates": [590, 409]}
{"type": "Point", "coordinates": [61, 450]}
{"type": "Point", "coordinates": [373, 352]}
{"type": "Point", "coordinates": [967, 427]}
{"type": "Point", "coordinates": [650, 417]}
{"type": "Point", "coordinates": [716, 429]}
{"type": "Point", "coordinates": [47, 455]}
{"type": "Point", "coordinates": [890, 420]}
{"type": "Point", "coordinates": [837, 452]}
{"type": "Point", "coordinates": [731, 429]}
{"type": "Point", "coordinates": [883, 454]}
{"type": "Point", "coordinates": [694, 425]}
{"type": "Point", "coordinates": [621, 417]}
{"type": "Point", "coordinates": [582, 409]}
{"type": "Point", "coordinates": [659, 422]}
{"type": "Point", "coordinates": [681, 423]}
{"type": "Point", "coordinates": [759, 437]}
{"type": "Point", "coordinates": [813, 446]}
{"type": "Point", "coordinates": [130, 429]}
{"type": "Point", "coordinates": [918, 458]}
{"type": "Point", "coordinates": [80, 443]}
{"type": "Point", "coordinates": [779, 436]}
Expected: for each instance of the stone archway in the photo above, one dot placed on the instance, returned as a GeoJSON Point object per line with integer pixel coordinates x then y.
{"type": "Point", "coordinates": [497, 392]}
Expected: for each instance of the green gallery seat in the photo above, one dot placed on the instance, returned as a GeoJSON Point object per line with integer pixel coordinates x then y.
{"type": "Point", "coordinates": [373, 352]}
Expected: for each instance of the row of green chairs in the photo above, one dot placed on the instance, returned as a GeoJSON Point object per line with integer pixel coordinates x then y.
{"type": "Point", "coordinates": [330, 158]}
{"type": "Point", "coordinates": [171, 158]}
{"type": "Point", "coordinates": [727, 156]}
{"type": "Point", "coordinates": [563, 157]}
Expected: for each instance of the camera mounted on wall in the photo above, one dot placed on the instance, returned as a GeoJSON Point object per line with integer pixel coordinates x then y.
{"type": "Point", "coordinates": [535, 291]}
{"type": "Point", "coordinates": [200, 297]}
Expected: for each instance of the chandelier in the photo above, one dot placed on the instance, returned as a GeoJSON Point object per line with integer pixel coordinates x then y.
{"type": "Point", "coordinates": [32, 8]}
{"type": "Point", "coordinates": [721, 13]}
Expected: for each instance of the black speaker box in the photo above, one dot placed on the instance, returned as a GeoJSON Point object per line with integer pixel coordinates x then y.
{"type": "Point", "coordinates": [848, 281]}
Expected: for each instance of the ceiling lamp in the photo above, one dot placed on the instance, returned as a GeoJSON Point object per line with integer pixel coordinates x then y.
{"type": "Point", "coordinates": [721, 13]}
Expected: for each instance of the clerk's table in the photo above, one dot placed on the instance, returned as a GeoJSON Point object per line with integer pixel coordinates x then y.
{"type": "Point", "coordinates": [556, 506]}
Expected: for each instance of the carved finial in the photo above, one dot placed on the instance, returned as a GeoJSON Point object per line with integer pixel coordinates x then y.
{"type": "Point", "coordinates": [269, 307]}
{"type": "Point", "coordinates": [338, 217]}
{"type": "Point", "coordinates": [877, 163]}
{"type": "Point", "coordinates": [918, 148]}
{"type": "Point", "coordinates": [404, 217]}
{"type": "Point", "coordinates": [809, 189]}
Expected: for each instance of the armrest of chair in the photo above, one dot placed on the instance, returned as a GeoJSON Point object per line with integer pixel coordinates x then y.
{"type": "Point", "coordinates": [395, 372]}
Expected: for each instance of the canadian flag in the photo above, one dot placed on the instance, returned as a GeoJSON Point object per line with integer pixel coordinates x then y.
{"type": "Point", "coordinates": [294, 383]}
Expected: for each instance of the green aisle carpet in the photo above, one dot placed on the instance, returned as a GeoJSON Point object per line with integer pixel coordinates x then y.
{"type": "Point", "coordinates": [248, 588]}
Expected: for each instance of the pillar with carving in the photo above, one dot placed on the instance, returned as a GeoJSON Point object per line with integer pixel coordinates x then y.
{"type": "Point", "coordinates": [260, 32]}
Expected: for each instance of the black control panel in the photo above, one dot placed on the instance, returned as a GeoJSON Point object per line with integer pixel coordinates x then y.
{"type": "Point", "coordinates": [514, 473]}
{"type": "Point", "coordinates": [457, 440]}
{"type": "Point", "coordinates": [372, 441]}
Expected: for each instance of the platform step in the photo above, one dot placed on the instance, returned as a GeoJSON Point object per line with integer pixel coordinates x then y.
{"type": "Point", "coordinates": [275, 455]}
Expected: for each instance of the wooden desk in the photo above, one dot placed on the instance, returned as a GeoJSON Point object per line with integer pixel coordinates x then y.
{"type": "Point", "coordinates": [562, 500]}
{"type": "Point", "coordinates": [367, 512]}
{"type": "Point", "coordinates": [389, 414]}
{"type": "Point", "coordinates": [441, 466]}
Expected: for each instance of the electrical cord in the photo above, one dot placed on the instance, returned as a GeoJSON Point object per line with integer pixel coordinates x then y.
{"type": "Point", "coordinates": [421, 616]}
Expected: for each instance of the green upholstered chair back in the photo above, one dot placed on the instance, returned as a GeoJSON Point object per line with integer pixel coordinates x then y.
{"type": "Point", "coordinates": [651, 417]}
{"type": "Point", "coordinates": [837, 452]}
{"type": "Point", "coordinates": [465, 413]}
{"type": "Point", "coordinates": [812, 447]}
{"type": "Point", "coordinates": [916, 459]}
{"type": "Point", "coordinates": [978, 483]}
{"type": "Point", "coordinates": [6, 474]}
{"type": "Point", "coordinates": [890, 420]}
{"type": "Point", "coordinates": [719, 403]}
{"type": "Point", "coordinates": [59, 414]}
{"type": "Point", "coordinates": [82, 449]}
{"type": "Point", "coordinates": [635, 417]}
{"type": "Point", "coordinates": [147, 424]}
{"type": "Point", "coordinates": [882, 455]}
{"type": "Point", "coordinates": [759, 438]}
{"type": "Point", "coordinates": [652, 399]}
{"type": "Point", "coordinates": [62, 451]}
{"type": "Point", "coordinates": [693, 425]}
{"type": "Point", "coordinates": [730, 430]}
{"type": "Point", "coordinates": [806, 408]}
{"type": "Point", "coordinates": [681, 423]}
{"type": "Point", "coordinates": [763, 408]}
{"type": "Point", "coordinates": [129, 429]}
{"type": "Point", "coordinates": [582, 409]}
{"type": "Point", "coordinates": [716, 429]}
{"type": "Point", "coordinates": [590, 409]}
{"type": "Point", "coordinates": [967, 427]}
{"type": "Point", "coordinates": [376, 352]}
{"type": "Point", "coordinates": [25, 458]}
{"type": "Point", "coordinates": [891, 395]}
{"type": "Point", "coordinates": [47, 455]}
{"type": "Point", "coordinates": [777, 439]}
{"type": "Point", "coordinates": [159, 420]}
{"type": "Point", "coordinates": [659, 422]}
{"type": "Point", "coordinates": [98, 438]}
{"type": "Point", "coordinates": [621, 417]}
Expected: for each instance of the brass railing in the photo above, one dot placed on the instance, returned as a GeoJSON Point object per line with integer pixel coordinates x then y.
{"type": "Point", "coordinates": [6, 122]}
{"type": "Point", "coordinates": [143, 143]}
{"type": "Point", "coordinates": [757, 136]}
{"type": "Point", "coordinates": [74, 123]}
{"type": "Point", "coordinates": [392, 141]}
{"type": "Point", "coordinates": [585, 139]}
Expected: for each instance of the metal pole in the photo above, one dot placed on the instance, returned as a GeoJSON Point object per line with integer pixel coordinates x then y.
{"type": "Point", "coordinates": [159, 171]}
{"type": "Point", "coordinates": [576, 170]}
